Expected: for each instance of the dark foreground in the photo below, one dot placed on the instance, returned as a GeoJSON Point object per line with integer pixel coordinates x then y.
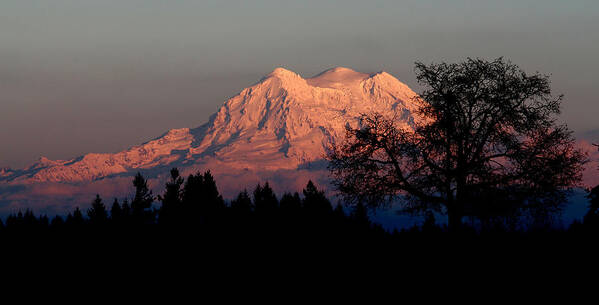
{"type": "Point", "coordinates": [195, 229]}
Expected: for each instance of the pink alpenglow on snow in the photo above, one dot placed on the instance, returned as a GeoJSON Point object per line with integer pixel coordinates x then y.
{"type": "Point", "coordinates": [277, 130]}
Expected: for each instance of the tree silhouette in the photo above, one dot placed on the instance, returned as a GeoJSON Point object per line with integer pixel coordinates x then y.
{"type": "Point", "coordinates": [201, 199]}
{"type": "Point", "coordinates": [97, 214]}
{"type": "Point", "coordinates": [291, 205]}
{"type": "Point", "coordinates": [212, 200]}
{"type": "Point", "coordinates": [172, 199]}
{"type": "Point", "coordinates": [29, 219]}
{"type": "Point", "coordinates": [76, 219]}
{"type": "Point", "coordinates": [142, 202]}
{"type": "Point", "coordinates": [310, 220]}
{"type": "Point", "coordinates": [43, 222]}
{"type": "Point", "coordinates": [126, 210]}
{"type": "Point", "coordinates": [265, 200]}
{"type": "Point", "coordinates": [192, 195]}
{"type": "Point", "coordinates": [315, 202]}
{"type": "Point", "coordinates": [14, 221]}
{"type": "Point", "coordinates": [116, 212]}
{"type": "Point", "coordinates": [242, 210]}
{"type": "Point", "coordinates": [242, 204]}
{"type": "Point", "coordinates": [481, 128]}
{"type": "Point", "coordinates": [57, 222]}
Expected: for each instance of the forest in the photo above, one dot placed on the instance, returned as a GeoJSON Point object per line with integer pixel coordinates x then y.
{"type": "Point", "coordinates": [191, 209]}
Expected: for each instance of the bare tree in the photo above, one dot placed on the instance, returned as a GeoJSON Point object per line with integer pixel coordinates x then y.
{"type": "Point", "coordinates": [487, 132]}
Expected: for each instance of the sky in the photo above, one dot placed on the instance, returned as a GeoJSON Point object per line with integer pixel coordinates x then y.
{"type": "Point", "coordinates": [79, 76]}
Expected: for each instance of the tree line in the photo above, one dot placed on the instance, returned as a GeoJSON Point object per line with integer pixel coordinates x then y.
{"type": "Point", "coordinates": [194, 206]}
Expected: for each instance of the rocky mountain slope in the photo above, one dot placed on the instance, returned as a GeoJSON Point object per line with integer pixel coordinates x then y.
{"type": "Point", "coordinates": [283, 122]}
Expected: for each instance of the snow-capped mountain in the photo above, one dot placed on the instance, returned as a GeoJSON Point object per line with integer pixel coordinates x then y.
{"type": "Point", "coordinates": [277, 130]}
{"type": "Point", "coordinates": [283, 122]}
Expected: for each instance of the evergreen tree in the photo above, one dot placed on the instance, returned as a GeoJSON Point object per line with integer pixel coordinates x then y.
{"type": "Point", "coordinates": [126, 210]}
{"type": "Point", "coordinates": [98, 215]}
{"type": "Point", "coordinates": [315, 202]}
{"type": "Point", "coordinates": [142, 202]}
{"type": "Point", "coordinates": [29, 219]}
{"type": "Point", "coordinates": [291, 205]}
{"type": "Point", "coordinates": [13, 220]}
{"type": "Point", "coordinates": [242, 205]}
{"type": "Point", "coordinates": [57, 222]}
{"type": "Point", "coordinates": [201, 199]}
{"type": "Point", "coordinates": [241, 211]}
{"type": "Point", "coordinates": [43, 222]}
{"type": "Point", "coordinates": [265, 200]}
{"type": "Point", "coordinates": [77, 217]}
{"type": "Point", "coordinates": [213, 201]}
{"type": "Point", "coordinates": [172, 199]}
{"type": "Point", "coordinates": [19, 220]}
{"type": "Point", "coordinates": [192, 194]}
{"type": "Point", "coordinates": [116, 212]}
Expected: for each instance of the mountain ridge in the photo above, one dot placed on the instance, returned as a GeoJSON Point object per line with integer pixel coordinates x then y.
{"type": "Point", "coordinates": [280, 122]}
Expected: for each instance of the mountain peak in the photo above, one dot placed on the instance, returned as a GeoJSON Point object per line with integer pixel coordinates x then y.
{"type": "Point", "coordinates": [338, 69]}
{"type": "Point", "coordinates": [382, 75]}
{"type": "Point", "coordinates": [338, 77]}
{"type": "Point", "coordinates": [282, 72]}
{"type": "Point", "coordinates": [339, 72]}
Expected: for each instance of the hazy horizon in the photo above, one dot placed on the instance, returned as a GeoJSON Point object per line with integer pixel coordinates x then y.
{"type": "Point", "coordinates": [100, 76]}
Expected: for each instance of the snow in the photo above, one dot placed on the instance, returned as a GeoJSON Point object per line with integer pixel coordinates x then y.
{"type": "Point", "coordinates": [276, 130]}
{"type": "Point", "coordinates": [286, 120]}
{"type": "Point", "coordinates": [281, 123]}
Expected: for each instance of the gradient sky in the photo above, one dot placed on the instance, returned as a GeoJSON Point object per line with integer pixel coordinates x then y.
{"type": "Point", "coordinates": [80, 76]}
